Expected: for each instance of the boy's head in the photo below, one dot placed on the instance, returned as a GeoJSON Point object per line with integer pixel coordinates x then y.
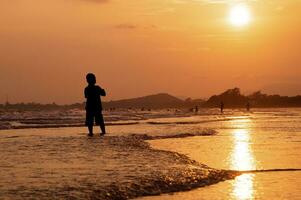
{"type": "Point", "coordinates": [91, 79]}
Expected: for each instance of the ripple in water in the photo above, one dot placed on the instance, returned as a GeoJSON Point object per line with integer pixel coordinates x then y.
{"type": "Point", "coordinates": [111, 167]}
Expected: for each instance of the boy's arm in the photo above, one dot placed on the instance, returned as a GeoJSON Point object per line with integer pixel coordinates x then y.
{"type": "Point", "coordinates": [102, 92]}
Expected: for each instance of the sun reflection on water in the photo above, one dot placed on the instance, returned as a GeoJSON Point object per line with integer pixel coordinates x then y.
{"type": "Point", "coordinates": [242, 159]}
{"type": "Point", "coordinates": [243, 188]}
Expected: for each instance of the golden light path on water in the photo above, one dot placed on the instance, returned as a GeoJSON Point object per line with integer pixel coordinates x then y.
{"type": "Point", "coordinates": [242, 158]}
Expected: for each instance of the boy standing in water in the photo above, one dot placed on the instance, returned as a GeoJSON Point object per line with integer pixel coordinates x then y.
{"type": "Point", "coordinates": [93, 104]}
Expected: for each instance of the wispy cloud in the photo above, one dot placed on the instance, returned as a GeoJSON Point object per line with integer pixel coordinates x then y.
{"type": "Point", "coordinates": [97, 1]}
{"type": "Point", "coordinates": [217, 1]}
{"type": "Point", "coordinates": [126, 26]}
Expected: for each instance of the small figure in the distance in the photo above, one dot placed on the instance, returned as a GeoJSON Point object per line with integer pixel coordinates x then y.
{"type": "Point", "coordinates": [196, 110]}
{"type": "Point", "coordinates": [222, 107]}
{"type": "Point", "coordinates": [248, 106]}
{"type": "Point", "coordinates": [93, 104]}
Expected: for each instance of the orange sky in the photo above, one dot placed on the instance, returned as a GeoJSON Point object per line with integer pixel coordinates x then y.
{"type": "Point", "coordinates": [139, 47]}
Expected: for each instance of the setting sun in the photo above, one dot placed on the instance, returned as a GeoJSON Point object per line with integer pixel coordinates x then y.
{"type": "Point", "coordinates": [240, 15]}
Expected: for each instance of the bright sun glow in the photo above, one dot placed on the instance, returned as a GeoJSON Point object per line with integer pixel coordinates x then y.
{"type": "Point", "coordinates": [240, 15]}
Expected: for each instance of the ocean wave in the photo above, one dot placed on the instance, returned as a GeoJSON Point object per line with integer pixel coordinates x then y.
{"type": "Point", "coordinates": [110, 167]}
{"type": "Point", "coordinates": [187, 122]}
{"type": "Point", "coordinates": [61, 123]}
{"type": "Point", "coordinates": [173, 181]}
{"type": "Point", "coordinates": [270, 170]}
{"type": "Point", "coordinates": [204, 132]}
{"type": "Point", "coordinates": [37, 125]}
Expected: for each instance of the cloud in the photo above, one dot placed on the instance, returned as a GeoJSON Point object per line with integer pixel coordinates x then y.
{"type": "Point", "coordinates": [97, 1]}
{"type": "Point", "coordinates": [129, 26]}
{"type": "Point", "coordinates": [126, 26]}
{"type": "Point", "coordinates": [218, 1]}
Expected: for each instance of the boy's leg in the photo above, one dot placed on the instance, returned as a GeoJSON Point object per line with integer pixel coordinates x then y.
{"type": "Point", "coordinates": [89, 122]}
{"type": "Point", "coordinates": [100, 122]}
{"type": "Point", "coordinates": [90, 128]}
{"type": "Point", "coordinates": [103, 127]}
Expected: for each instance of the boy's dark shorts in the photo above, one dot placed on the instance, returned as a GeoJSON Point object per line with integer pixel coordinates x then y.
{"type": "Point", "coordinates": [91, 115]}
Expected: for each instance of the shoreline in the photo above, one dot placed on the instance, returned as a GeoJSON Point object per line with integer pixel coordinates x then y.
{"type": "Point", "coordinates": [241, 187]}
{"type": "Point", "coordinates": [65, 170]}
{"type": "Point", "coordinates": [197, 175]}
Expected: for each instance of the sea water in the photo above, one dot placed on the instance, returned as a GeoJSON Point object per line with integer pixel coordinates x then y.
{"type": "Point", "coordinates": [63, 161]}
{"type": "Point", "coordinates": [266, 139]}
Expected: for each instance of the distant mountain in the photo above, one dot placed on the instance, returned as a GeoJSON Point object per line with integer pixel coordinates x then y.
{"type": "Point", "coordinates": [162, 100]}
{"type": "Point", "coordinates": [156, 101]}
{"type": "Point", "coordinates": [231, 98]}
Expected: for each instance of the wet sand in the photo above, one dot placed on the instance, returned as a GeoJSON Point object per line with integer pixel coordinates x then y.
{"type": "Point", "coordinates": [46, 166]}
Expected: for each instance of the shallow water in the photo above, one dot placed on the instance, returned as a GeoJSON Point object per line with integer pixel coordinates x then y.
{"type": "Point", "coordinates": [63, 162]}
{"type": "Point", "coordinates": [263, 140]}
{"type": "Point", "coordinates": [57, 163]}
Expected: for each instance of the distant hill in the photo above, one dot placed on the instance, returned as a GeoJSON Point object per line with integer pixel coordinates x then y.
{"type": "Point", "coordinates": [231, 98]}
{"type": "Point", "coordinates": [156, 101]}
{"type": "Point", "coordinates": [162, 100]}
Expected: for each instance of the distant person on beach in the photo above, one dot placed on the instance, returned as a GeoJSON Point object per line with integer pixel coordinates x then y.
{"type": "Point", "coordinates": [222, 107]}
{"type": "Point", "coordinates": [196, 109]}
{"type": "Point", "coordinates": [248, 106]}
{"type": "Point", "coordinates": [93, 104]}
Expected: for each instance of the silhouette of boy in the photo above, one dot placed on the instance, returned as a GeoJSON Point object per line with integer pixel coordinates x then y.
{"type": "Point", "coordinates": [93, 104]}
